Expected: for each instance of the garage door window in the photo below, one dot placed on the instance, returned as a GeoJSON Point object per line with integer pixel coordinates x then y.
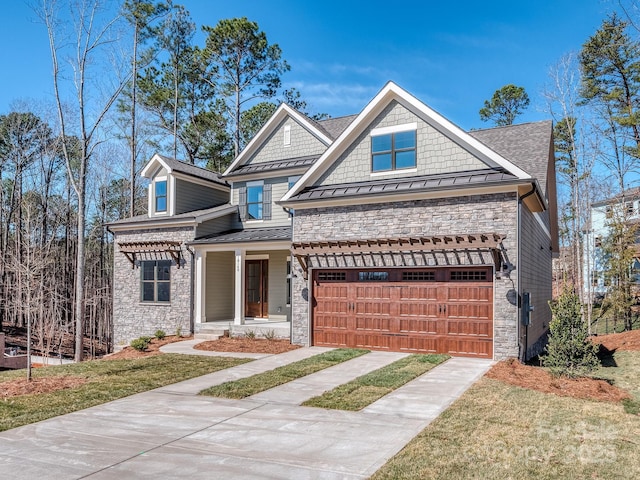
{"type": "Point", "coordinates": [373, 276]}
{"type": "Point", "coordinates": [469, 275]}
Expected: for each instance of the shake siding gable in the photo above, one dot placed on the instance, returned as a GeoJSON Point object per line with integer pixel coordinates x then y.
{"type": "Point", "coordinates": [303, 143]}
{"type": "Point", "coordinates": [435, 153]}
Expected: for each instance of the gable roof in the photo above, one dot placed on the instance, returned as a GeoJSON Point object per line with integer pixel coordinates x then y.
{"type": "Point", "coordinates": [268, 128]}
{"type": "Point", "coordinates": [335, 126]}
{"type": "Point", "coordinates": [173, 165]}
{"type": "Point", "coordinates": [389, 93]}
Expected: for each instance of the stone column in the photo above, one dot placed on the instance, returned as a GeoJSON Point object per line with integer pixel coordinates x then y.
{"type": "Point", "coordinates": [238, 318]}
{"type": "Point", "coordinates": [200, 311]}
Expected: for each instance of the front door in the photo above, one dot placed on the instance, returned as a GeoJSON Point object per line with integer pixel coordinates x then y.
{"type": "Point", "coordinates": [256, 301]}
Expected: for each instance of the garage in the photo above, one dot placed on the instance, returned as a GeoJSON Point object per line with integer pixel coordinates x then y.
{"type": "Point", "coordinates": [413, 310]}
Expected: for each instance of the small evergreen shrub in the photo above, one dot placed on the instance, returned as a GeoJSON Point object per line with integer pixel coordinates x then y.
{"type": "Point", "coordinates": [270, 335]}
{"type": "Point", "coordinates": [141, 343]}
{"type": "Point", "coordinates": [250, 334]}
{"type": "Point", "coordinates": [160, 334]}
{"type": "Point", "coordinates": [569, 351]}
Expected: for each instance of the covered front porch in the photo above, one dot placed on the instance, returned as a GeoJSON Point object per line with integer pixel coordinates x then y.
{"type": "Point", "coordinates": [243, 286]}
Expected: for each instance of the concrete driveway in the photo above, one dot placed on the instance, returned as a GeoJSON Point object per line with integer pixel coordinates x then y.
{"type": "Point", "coordinates": [173, 433]}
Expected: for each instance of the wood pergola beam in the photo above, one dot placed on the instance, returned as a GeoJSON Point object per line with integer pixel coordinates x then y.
{"type": "Point", "coordinates": [132, 249]}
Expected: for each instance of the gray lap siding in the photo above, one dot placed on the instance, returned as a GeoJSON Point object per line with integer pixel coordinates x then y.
{"type": "Point", "coordinates": [133, 318]}
{"type": "Point", "coordinates": [471, 214]}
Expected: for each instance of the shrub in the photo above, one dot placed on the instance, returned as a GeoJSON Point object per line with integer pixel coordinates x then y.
{"type": "Point", "coordinates": [160, 334]}
{"type": "Point", "coordinates": [250, 334]}
{"type": "Point", "coordinates": [270, 335]}
{"type": "Point", "coordinates": [569, 351]}
{"type": "Point", "coordinates": [141, 343]}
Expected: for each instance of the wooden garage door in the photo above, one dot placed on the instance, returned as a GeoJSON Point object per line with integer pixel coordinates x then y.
{"type": "Point", "coordinates": [405, 310]}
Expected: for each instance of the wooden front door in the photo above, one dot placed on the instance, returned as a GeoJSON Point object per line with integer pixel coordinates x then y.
{"type": "Point", "coordinates": [424, 310]}
{"type": "Point", "coordinates": [256, 288]}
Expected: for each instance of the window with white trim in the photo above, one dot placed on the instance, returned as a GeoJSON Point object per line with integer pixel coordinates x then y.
{"type": "Point", "coordinates": [160, 195]}
{"type": "Point", "coordinates": [155, 281]}
{"type": "Point", "coordinates": [393, 151]}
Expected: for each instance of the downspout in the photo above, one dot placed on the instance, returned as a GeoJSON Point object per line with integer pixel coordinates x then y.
{"type": "Point", "coordinates": [523, 351]}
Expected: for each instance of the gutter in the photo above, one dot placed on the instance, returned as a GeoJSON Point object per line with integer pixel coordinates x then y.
{"type": "Point", "coordinates": [523, 350]}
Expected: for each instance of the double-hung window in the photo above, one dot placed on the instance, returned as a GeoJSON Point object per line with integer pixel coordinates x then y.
{"type": "Point", "coordinates": [160, 187]}
{"type": "Point", "coordinates": [255, 191]}
{"type": "Point", "coordinates": [155, 281]}
{"type": "Point", "coordinates": [394, 150]}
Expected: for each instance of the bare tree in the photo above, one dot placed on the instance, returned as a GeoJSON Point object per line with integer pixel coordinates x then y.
{"type": "Point", "coordinates": [93, 34]}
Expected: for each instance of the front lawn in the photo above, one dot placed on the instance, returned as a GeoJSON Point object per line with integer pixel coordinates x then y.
{"type": "Point", "coordinates": [245, 387]}
{"type": "Point", "coordinates": [365, 390]}
{"type": "Point", "coordinates": [94, 382]}
{"type": "Point", "coordinates": [499, 431]}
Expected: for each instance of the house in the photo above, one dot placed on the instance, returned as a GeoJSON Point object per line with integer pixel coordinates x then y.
{"type": "Point", "coordinates": [624, 209]}
{"type": "Point", "coordinates": [392, 229]}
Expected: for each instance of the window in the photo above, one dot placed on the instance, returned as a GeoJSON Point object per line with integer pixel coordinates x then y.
{"type": "Point", "coordinates": [373, 276]}
{"type": "Point", "coordinates": [254, 200]}
{"type": "Point", "coordinates": [630, 209]}
{"type": "Point", "coordinates": [155, 281]}
{"type": "Point", "coordinates": [608, 211]}
{"type": "Point", "coordinates": [393, 151]}
{"type": "Point", "coordinates": [161, 195]}
{"type": "Point", "coordinates": [292, 181]}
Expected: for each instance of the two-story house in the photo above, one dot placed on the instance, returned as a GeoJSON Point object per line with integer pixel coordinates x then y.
{"type": "Point", "coordinates": [622, 209]}
{"type": "Point", "coordinates": [392, 229]}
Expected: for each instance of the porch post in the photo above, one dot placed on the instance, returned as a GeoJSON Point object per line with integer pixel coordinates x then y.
{"type": "Point", "coordinates": [238, 318]}
{"type": "Point", "coordinates": [200, 286]}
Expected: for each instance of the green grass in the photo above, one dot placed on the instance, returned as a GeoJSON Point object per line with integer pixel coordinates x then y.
{"type": "Point", "coordinates": [368, 388]}
{"type": "Point", "coordinates": [500, 431]}
{"type": "Point", "coordinates": [106, 381]}
{"type": "Point", "coordinates": [260, 382]}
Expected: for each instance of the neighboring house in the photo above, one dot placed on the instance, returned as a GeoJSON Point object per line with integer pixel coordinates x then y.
{"type": "Point", "coordinates": [392, 229]}
{"type": "Point", "coordinates": [623, 207]}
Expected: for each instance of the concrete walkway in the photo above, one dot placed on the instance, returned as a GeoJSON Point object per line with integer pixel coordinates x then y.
{"type": "Point", "coordinates": [173, 433]}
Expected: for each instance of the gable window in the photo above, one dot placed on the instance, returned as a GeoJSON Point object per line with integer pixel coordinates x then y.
{"type": "Point", "coordinates": [160, 190]}
{"type": "Point", "coordinates": [393, 151]}
{"type": "Point", "coordinates": [155, 281]}
{"type": "Point", "coordinates": [287, 135]}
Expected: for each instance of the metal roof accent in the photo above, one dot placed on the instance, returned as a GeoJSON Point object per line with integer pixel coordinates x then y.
{"type": "Point", "coordinates": [247, 235]}
{"type": "Point", "coordinates": [480, 241]}
{"type": "Point", "coordinates": [132, 249]}
{"type": "Point", "coordinates": [196, 216]}
{"type": "Point", "coordinates": [405, 185]}
{"type": "Point", "coordinates": [274, 165]}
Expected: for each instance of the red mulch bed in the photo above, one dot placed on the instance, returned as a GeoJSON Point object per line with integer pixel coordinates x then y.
{"type": "Point", "coordinates": [20, 386]}
{"type": "Point", "coordinates": [128, 353]}
{"type": "Point", "coordinates": [536, 378]}
{"type": "Point", "coordinates": [244, 344]}
{"type": "Point", "coordinates": [629, 341]}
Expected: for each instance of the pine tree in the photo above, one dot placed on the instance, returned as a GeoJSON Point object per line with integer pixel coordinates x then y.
{"type": "Point", "coordinates": [569, 351]}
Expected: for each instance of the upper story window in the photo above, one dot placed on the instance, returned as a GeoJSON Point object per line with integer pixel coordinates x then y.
{"type": "Point", "coordinates": [155, 281]}
{"type": "Point", "coordinates": [160, 191]}
{"type": "Point", "coordinates": [393, 150]}
{"type": "Point", "coordinates": [254, 201]}
{"type": "Point", "coordinates": [255, 192]}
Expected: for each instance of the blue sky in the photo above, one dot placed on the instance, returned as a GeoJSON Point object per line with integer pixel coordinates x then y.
{"type": "Point", "coordinates": [451, 55]}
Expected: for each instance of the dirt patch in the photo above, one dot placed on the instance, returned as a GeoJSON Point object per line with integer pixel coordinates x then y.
{"type": "Point", "coordinates": [243, 344]}
{"type": "Point", "coordinates": [128, 353]}
{"type": "Point", "coordinates": [620, 341]}
{"type": "Point", "coordinates": [511, 371]}
{"type": "Point", "coordinates": [20, 386]}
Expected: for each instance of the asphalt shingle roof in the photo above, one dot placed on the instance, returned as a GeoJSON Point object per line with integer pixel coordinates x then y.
{"type": "Point", "coordinates": [192, 170]}
{"type": "Point", "coordinates": [525, 145]}
{"type": "Point", "coordinates": [248, 235]}
{"type": "Point", "coordinates": [335, 126]}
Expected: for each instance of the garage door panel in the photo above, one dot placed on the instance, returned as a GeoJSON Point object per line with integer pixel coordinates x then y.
{"type": "Point", "coordinates": [422, 325]}
{"type": "Point", "coordinates": [408, 311]}
{"type": "Point", "coordinates": [473, 328]}
{"type": "Point", "coordinates": [469, 347]}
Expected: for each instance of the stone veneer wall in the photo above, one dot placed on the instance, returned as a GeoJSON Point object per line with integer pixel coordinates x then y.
{"type": "Point", "coordinates": [472, 214]}
{"type": "Point", "coordinates": [131, 317]}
